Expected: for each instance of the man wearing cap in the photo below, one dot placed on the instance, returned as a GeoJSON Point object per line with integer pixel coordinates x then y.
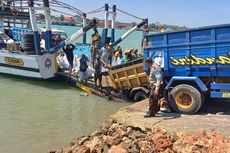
{"type": "Point", "coordinates": [155, 79]}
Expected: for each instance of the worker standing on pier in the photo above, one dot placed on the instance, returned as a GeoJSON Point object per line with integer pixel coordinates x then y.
{"type": "Point", "coordinates": [68, 49]}
{"type": "Point", "coordinates": [95, 46]}
{"type": "Point", "coordinates": [156, 78]}
{"type": "Point", "coordinates": [83, 68]}
{"type": "Point", "coordinates": [104, 53]}
{"type": "Point", "coordinates": [98, 71]}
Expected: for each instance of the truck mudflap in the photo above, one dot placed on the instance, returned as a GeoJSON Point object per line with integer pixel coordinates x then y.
{"type": "Point", "coordinates": [220, 90]}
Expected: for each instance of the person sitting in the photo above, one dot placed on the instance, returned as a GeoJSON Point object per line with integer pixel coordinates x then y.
{"type": "Point", "coordinates": [83, 68]}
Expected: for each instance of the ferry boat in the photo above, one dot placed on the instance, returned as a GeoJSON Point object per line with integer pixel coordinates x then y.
{"type": "Point", "coordinates": [28, 52]}
{"type": "Point", "coordinates": [14, 58]}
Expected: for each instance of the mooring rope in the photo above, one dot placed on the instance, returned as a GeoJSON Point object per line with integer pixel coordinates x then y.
{"type": "Point", "coordinates": [129, 14]}
{"type": "Point", "coordinates": [96, 10]}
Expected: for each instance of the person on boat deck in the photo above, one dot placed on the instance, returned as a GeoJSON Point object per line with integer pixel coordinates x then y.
{"type": "Point", "coordinates": [134, 53]}
{"type": "Point", "coordinates": [116, 54]}
{"type": "Point", "coordinates": [111, 51]}
{"type": "Point", "coordinates": [57, 39]}
{"type": "Point", "coordinates": [83, 68]}
{"type": "Point", "coordinates": [95, 46]}
{"type": "Point", "coordinates": [155, 79]}
{"type": "Point", "coordinates": [128, 56]}
{"type": "Point", "coordinates": [104, 53]}
{"type": "Point", "coordinates": [68, 49]}
{"type": "Point", "coordinates": [120, 59]}
{"type": "Point", "coordinates": [98, 71]}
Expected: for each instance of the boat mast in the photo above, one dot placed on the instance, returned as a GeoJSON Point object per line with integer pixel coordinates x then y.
{"type": "Point", "coordinates": [84, 25]}
{"type": "Point", "coordinates": [34, 27]}
{"type": "Point", "coordinates": [105, 30]}
{"type": "Point", "coordinates": [114, 13]}
{"type": "Point", "coordinates": [48, 33]}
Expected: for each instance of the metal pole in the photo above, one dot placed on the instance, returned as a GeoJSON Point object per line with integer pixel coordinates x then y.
{"type": "Point", "coordinates": [84, 25]}
{"type": "Point", "coordinates": [34, 27]}
{"type": "Point", "coordinates": [125, 35]}
{"type": "Point", "coordinates": [113, 24]}
{"type": "Point", "coordinates": [105, 30]}
{"type": "Point", "coordinates": [48, 34]}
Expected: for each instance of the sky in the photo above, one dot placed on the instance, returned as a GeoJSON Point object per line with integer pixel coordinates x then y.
{"type": "Point", "coordinates": [190, 13]}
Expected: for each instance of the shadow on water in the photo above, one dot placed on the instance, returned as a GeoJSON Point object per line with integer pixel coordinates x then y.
{"type": "Point", "coordinates": [54, 83]}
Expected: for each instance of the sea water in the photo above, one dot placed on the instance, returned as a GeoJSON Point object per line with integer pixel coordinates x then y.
{"type": "Point", "coordinates": [38, 116]}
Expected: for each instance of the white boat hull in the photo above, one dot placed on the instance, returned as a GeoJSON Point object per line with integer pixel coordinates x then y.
{"type": "Point", "coordinates": [33, 66]}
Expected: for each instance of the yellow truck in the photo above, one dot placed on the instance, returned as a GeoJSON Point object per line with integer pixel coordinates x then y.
{"type": "Point", "coordinates": [131, 79]}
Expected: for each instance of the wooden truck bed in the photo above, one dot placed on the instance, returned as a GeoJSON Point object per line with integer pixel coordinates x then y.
{"type": "Point", "coordinates": [129, 75]}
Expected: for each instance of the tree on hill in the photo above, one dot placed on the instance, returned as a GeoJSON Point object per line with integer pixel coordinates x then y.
{"type": "Point", "coordinates": [62, 17]}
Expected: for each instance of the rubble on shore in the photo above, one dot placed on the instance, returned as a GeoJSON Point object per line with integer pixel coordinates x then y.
{"type": "Point", "coordinates": [127, 131]}
{"type": "Point", "coordinates": [113, 137]}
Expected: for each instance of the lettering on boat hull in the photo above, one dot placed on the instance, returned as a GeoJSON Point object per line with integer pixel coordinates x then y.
{"type": "Point", "coordinates": [14, 61]}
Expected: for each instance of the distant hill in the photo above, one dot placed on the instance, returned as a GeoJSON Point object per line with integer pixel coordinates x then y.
{"type": "Point", "coordinates": [157, 27]}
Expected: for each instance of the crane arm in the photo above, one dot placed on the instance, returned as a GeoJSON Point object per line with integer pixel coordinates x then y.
{"type": "Point", "coordinates": [125, 35]}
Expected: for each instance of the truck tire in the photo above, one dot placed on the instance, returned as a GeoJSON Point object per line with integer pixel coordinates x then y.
{"type": "Point", "coordinates": [139, 95]}
{"type": "Point", "coordinates": [185, 99]}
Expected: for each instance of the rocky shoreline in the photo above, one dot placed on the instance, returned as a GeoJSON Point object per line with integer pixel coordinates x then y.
{"type": "Point", "coordinates": [119, 136]}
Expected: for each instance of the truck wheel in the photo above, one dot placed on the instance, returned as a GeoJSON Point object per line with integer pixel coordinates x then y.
{"type": "Point", "coordinates": [185, 99]}
{"type": "Point", "coordinates": [140, 95]}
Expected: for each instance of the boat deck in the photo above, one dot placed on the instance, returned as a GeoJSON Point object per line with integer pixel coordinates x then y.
{"type": "Point", "coordinates": [90, 87]}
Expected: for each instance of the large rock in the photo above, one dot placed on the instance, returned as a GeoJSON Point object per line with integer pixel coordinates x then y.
{"type": "Point", "coordinates": [83, 140]}
{"type": "Point", "coordinates": [117, 149]}
{"type": "Point", "coordinates": [161, 139]}
{"type": "Point", "coordinates": [83, 149]}
{"type": "Point", "coordinates": [136, 135]}
{"type": "Point", "coordinates": [202, 142]}
{"type": "Point", "coordinates": [95, 144]}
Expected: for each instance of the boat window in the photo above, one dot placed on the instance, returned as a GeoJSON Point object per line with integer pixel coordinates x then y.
{"type": "Point", "coordinates": [54, 35]}
{"type": "Point", "coordinates": [1, 41]}
{"type": "Point", "coordinates": [4, 37]}
{"type": "Point", "coordinates": [42, 35]}
{"type": "Point", "coordinates": [62, 35]}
